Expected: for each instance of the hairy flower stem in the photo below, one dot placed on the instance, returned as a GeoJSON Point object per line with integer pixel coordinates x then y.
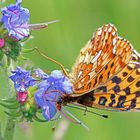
{"type": "Point", "coordinates": [10, 128]}
{"type": "Point", "coordinates": [10, 121]}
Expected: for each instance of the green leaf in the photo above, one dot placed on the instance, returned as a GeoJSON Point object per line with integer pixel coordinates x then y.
{"type": "Point", "coordinates": [10, 106]}
{"type": "Point", "coordinates": [36, 118]}
{"type": "Point", "coordinates": [8, 100]}
{"type": "Point", "coordinates": [14, 49]}
{"type": "Point", "coordinates": [15, 115]}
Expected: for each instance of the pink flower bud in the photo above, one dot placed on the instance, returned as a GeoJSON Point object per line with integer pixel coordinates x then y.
{"type": "Point", "coordinates": [22, 97]}
{"type": "Point", "coordinates": [1, 42]}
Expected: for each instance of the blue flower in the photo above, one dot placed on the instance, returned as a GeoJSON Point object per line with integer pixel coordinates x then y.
{"type": "Point", "coordinates": [49, 91]}
{"type": "Point", "coordinates": [15, 20]}
{"type": "Point", "coordinates": [22, 79]}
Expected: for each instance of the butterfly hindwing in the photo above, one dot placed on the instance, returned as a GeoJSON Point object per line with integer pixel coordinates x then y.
{"type": "Point", "coordinates": [120, 93]}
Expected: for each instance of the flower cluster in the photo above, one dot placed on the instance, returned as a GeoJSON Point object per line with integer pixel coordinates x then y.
{"type": "Point", "coordinates": [14, 28]}
{"type": "Point", "coordinates": [48, 88]}
{"type": "Point", "coordinates": [15, 20]}
{"type": "Point", "coordinates": [22, 81]}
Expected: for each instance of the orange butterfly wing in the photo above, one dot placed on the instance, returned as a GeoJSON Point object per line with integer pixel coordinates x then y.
{"type": "Point", "coordinates": [107, 73]}
{"type": "Point", "coordinates": [104, 55]}
{"type": "Point", "coordinates": [121, 92]}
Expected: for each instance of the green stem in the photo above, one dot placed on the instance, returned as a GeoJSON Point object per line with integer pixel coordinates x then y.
{"type": "Point", "coordinates": [0, 132]}
{"type": "Point", "coordinates": [10, 128]}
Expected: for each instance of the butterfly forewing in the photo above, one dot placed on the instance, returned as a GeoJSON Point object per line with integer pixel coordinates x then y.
{"type": "Point", "coordinates": [104, 56]}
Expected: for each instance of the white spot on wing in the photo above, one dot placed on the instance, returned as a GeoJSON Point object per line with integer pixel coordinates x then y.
{"type": "Point", "coordinates": [110, 29]}
{"type": "Point", "coordinates": [113, 33]}
{"type": "Point", "coordinates": [114, 49]}
{"type": "Point", "coordinates": [99, 32]}
{"type": "Point", "coordinates": [96, 57]}
{"type": "Point", "coordinates": [114, 41]}
{"type": "Point", "coordinates": [111, 25]}
{"type": "Point", "coordinates": [86, 57]}
{"type": "Point", "coordinates": [115, 45]}
{"type": "Point", "coordinates": [80, 73]}
{"type": "Point", "coordinates": [136, 53]}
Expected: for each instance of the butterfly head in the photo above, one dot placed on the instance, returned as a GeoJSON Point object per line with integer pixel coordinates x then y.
{"type": "Point", "coordinates": [59, 103]}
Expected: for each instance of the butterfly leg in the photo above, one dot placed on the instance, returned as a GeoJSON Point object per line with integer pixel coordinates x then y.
{"type": "Point", "coordinates": [48, 58]}
{"type": "Point", "coordinates": [55, 120]}
{"type": "Point", "coordinates": [72, 118]}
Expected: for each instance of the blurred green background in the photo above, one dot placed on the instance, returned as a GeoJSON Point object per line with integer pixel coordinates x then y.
{"type": "Point", "coordinates": [63, 41]}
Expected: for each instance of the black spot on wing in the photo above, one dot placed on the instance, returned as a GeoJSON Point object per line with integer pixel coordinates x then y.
{"type": "Point", "coordinates": [129, 68]}
{"type": "Point", "coordinates": [108, 74]}
{"type": "Point", "coordinates": [138, 84]}
{"type": "Point", "coordinates": [121, 101]}
{"type": "Point", "coordinates": [116, 79]}
{"type": "Point", "coordinates": [116, 89]}
{"type": "Point", "coordinates": [89, 85]}
{"type": "Point", "coordinates": [133, 104]}
{"type": "Point", "coordinates": [112, 65]}
{"type": "Point", "coordinates": [95, 82]}
{"type": "Point", "coordinates": [127, 90]}
{"type": "Point", "coordinates": [106, 67]}
{"type": "Point", "coordinates": [102, 100]}
{"type": "Point", "coordinates": [134, 58]}
{"type": "Point", "coordinates": [112, 98]}
{"type": "Point", "coordinates": [124, 74]}
{"type": "Point", "coordinates": [137, 93]}
{"type": "Point", "coordinates": [103, 88]}
{"type": "Point", "coordinates": [101, 77]}
{"type": "Point", "coordinates": [130, 79]}
{"type": "Point", "coordinates": [137, 72]}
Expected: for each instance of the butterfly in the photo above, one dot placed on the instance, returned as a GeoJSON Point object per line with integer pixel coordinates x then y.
{"type": "Point", "coordinates": [106, 74]}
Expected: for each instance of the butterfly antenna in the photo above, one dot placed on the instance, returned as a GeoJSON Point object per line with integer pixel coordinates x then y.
{"type": "Point", "coordinates": [76, 120]}
{"type": "Point", "coordinates": [54, 61]}
{"type": "Point", "coordinates": [86, 110]}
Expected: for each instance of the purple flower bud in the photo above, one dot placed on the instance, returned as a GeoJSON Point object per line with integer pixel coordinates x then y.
{"type": "Point", "coordinates": [40, 74]}
{"type": "Point", "coordinates": [22, 79]}
{"type": "Point", "coordinates": [18, 1]}
{"type": "Point", "coordinates": [15, 20]}
{"type": "Point", "coordinates": [49, 91]}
